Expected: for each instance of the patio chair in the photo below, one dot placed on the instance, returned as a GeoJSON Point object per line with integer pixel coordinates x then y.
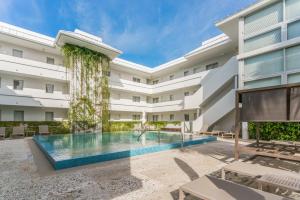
{"type": "Point", "coordinates": [2, 132]}
{"type": "Point", "coordinates": [210, 188]}
{"type": "Point", "coordinates": [44, 130]}
{"type": "Point", "coordinates": [18, 131]}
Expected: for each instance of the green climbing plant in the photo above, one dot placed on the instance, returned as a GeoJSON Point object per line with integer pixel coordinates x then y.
{"type": "Point", "coordinates": [89, 79]}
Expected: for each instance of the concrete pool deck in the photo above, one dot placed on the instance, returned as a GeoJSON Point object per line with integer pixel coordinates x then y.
{"type": "Point", "coordinates": [25, 173]}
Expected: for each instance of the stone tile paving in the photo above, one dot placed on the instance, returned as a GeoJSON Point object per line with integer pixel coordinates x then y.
{"type": "Point", "coordinates": [26, 174]}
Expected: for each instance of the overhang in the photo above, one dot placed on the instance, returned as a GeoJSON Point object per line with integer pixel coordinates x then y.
{"type": "Point", "coordinates": [230, 25]}
{"type": "Point", "coordinates": [67, 37]}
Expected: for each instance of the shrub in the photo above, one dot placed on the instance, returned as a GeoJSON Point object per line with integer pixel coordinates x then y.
{"type": "Point", "coordinates": [55, 127]}
{"type": "Point", "coordinates": [122, 125]}
{"type": "Point", "coordinates": [276, 131]}
{"type": "Point", "coordinates": [162, 124]}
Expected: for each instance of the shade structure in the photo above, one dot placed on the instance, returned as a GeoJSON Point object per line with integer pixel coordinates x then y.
{"type": "Point", "coordinates": [270, 105]}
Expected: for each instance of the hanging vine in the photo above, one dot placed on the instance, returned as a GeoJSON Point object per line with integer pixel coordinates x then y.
{"type": "Point", "coordinates": [89, 97]}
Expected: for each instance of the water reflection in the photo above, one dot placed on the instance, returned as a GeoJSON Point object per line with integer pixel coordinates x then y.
{"type": "Point", "coordinates": [77, 145]}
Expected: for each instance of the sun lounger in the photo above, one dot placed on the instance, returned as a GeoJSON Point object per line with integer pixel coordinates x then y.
{"type": "Point", "coordinates": [227, 135]}
{"type": "Point", "coordinates": [210, 188]}
{"type": "Point", "coordinates": [44, 130]}
{"type": "Point", "coordinates": [288, 182]}
{"type": "Point", "coordinates": [18, 131]}
{"type": "Point", "coordinates": [253, 170]}
{"type": "Point", "coordinates": [2, 132]}
{"type": "Point", "coordinates": [259, 171]}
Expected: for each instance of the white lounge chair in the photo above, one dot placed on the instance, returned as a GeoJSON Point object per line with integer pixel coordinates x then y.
{"type": "Point", "coordinates": [18, 131]}
{"type": "Point", "coordinates": [2, 132]}
{"type": "Point", "coordinates": [44, 130]}
{"type": "Point", "coordinates": [210, 188]}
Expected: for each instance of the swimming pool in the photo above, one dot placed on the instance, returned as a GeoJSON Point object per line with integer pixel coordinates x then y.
{"type": "Point", "coordinates": [65, 151]}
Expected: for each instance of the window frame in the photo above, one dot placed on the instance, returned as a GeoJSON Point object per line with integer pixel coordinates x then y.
{"type": "Point", "coordinates": [17, 51]}
{"type": "Point", "coordinates": [50, 58]}
{"type": "Point", "coordinates": [22, 115]}
{"type": "Point", "coordinates": [46, 89]}
{"type": "Point", "coordinates": [135, 79]}
{"type": "Point", "coordinates": [136, 99]}
{"type": "Point", "coordinates": [15, 87]}
{"type": "Point", "coordinates": [52, 117]}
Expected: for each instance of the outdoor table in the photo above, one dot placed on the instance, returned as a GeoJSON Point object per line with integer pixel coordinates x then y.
{"type": "Point", "coordinates": [283, 181]}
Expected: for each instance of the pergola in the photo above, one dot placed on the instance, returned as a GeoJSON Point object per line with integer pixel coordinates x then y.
{"type": "Point", "coordinates": [268, 104]}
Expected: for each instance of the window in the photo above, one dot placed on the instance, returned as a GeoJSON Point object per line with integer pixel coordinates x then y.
{"type": "Point", "coordinates": [155, 100]}
{"type": "Point", "coordinates": [265, 64]}
{"type": "Point", "coordinates": [17, 53]}
{"type": "Point", "coordinates": [262, 40]}
{"type": "Point", "coordinates": [294, 30]}
{"type": "Point", "coordinates": [195, 116]}
{"type": "Point", "coordinates": [186, 117]}
{"type": "Point", "coordinates": [211, 66]}
{"type": "Point", "coordinates": [171, 117]}
{"type": "Point", "coordinates": [50, 60]}
{"type": "Point", "coordinates": [186, 94]}
{"type": "Point", "coordinates": [185, 73]}
{"type": "Point", "coordinates": [49, 116]}
{"type": "Point", "coordinates": [49, 88]}
{"type": "Point", "coordinates": [18, 115]}
{"type": "Point", "coordinates": [134, 79]}
{"type": "Point", "coordinates": [292, 58]}
{"type": "Point", "coordinates": [292, 9]}
{"type": "Point", "coordinates": [155, 118]}
{"type": "Point", "coordinates": [293, 78]}
{"type": "Point", "coordinates": [136, 99]}
{"type": "Point", "coordinates": [18, 84]}
{"type": "Point", "coordinates": [136, 117]}
{"type": "Point", "coordinates": [171, 98]}
{"type": "Point", "coordinates": [171, 77]}
{"type": "Point", "coordinates": [155, 82]}
{"type": "Point", "coordinates": [264, 18]}
{"type": "Point", "coordinates": [263, 82]}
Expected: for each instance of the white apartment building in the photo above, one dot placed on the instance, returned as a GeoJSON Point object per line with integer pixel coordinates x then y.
{"type": "Point", "coordinates": [258, 48]}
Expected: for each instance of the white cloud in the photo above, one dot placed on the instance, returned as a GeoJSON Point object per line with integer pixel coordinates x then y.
{"type": "Point", "coordinates": [149, 27]}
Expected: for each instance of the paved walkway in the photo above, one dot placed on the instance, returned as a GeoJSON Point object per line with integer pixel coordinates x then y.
{"type": "Point", "coordinates": [26, 174]}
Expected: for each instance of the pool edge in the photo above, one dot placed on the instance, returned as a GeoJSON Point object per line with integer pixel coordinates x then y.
{"type": "Point", "coordinates": [75, 162]}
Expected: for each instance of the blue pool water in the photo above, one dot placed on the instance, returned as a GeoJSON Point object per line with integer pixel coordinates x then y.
{"type": "Point", "coordinates": [64, 151]}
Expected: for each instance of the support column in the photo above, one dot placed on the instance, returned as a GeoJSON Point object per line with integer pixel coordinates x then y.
{"type": "Point", "coordinates": [237, 126]}
{"type": "Point", "coordinates": [144, 117]}
{"type": "Point", "coordinates": [245, 133]}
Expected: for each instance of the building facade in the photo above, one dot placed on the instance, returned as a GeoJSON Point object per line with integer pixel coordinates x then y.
{"type": "Point", "coordinates": [259, 47]}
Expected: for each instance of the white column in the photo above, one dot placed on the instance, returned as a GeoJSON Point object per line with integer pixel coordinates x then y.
{"type": "Point", "coordinates": [144, 117]}
{"type": "Point", "coordinates": [245, 134]}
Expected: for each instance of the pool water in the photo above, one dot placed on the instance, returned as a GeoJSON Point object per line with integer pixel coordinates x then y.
{"type": "Point", "coordinates": [71, 150]}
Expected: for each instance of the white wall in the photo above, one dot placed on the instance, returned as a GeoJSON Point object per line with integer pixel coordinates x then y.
{"type": "Point", "coordinates": [31, 113]}
{"type": "Point", "coordinates": [6, 48]}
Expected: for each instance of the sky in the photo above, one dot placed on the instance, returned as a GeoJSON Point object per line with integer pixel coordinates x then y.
{"type": "Point", "coordinates": [148, 32]}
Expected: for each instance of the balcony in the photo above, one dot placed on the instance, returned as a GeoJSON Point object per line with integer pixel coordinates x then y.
{"type": "Point", "coordinates": [179, 83]}
{"type": "Point", "coordinates": [31, 68]}
{"type": "Point", "coordinates": [167, 106]}
{"type": "Point", "coordinates": [128, 106]}
{"type": "Point", "coordinates": [13, 100]}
